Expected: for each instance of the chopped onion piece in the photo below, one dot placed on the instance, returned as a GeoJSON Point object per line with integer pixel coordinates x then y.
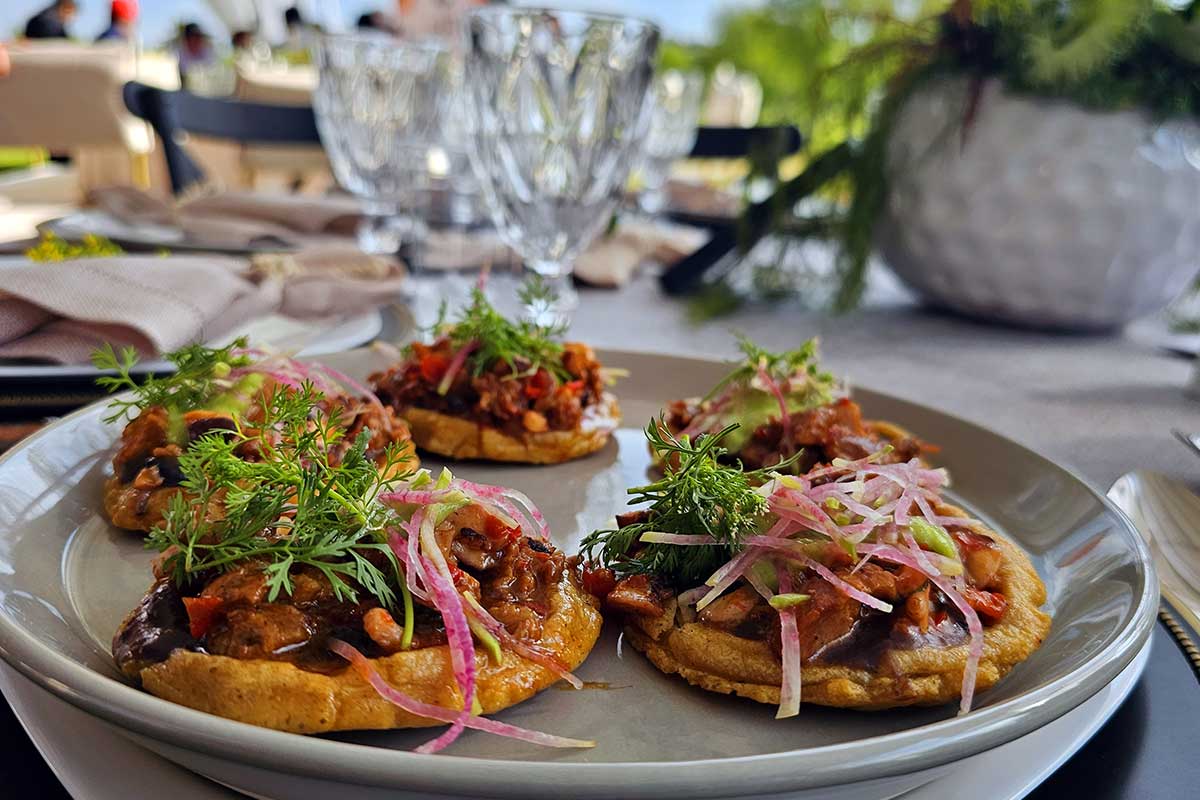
{"type": "Point", "coordinates": [456, 364]}
{"type": "Point", "coordinates": [789, 690]}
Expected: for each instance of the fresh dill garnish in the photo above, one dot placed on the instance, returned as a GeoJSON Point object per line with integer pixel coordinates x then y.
{"type": "Point", "coordinates": [193, 383]}
{"type": "Point", "coordinates": [783, 366]}
{"type": "Point", "coordinates": [290, 506]}
{"type": "Point", "coordinates": [697, 495]}
{"type": "Point", "coordinates": [499, 339]}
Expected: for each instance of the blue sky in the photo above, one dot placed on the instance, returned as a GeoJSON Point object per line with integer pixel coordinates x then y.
{"type": "Point", "coordinates": [681, 19]}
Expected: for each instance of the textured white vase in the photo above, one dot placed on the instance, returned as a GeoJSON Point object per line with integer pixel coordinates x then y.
{"type": "Point", "coordinates": [1047, 214]}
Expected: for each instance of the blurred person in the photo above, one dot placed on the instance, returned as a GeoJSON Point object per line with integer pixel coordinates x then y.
{"type": "Point", "coordinates": [242, 41]}
{"type": "Point", "coordinates": [51, 22]}
{"type": "Point", "coordinates": [378, 21]}
{"type": "Point", "coordinates": [434, 19]}
{"type": "Point", "coordinates": [296, 29]}
{"type": "Point", "coordinates": [121, 21]}
{"type": "Point", "coordinates": [195, 49]}
{"type": "Point", "coordinates": [5, 64]}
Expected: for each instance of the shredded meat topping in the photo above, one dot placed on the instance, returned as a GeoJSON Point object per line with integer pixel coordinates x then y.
{"type": "Point", "coordinates": [513, 398]}
{"type": "Point", "coordinates": [834, 430]}
{"type": "Point", "coordinates": [833, 626]}
{"type": "Point", "coordinates": [512, 575]}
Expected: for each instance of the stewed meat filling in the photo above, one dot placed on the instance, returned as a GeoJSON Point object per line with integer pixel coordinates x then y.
{"type": "Point", "coordinates": [834, 627]}
{"type": "Point", "coordinates": [230, 614]}
{"type": "Point", "coordinates": [152, 442]}
{"type": "Point", "coordinates": [834, 430]}
{"type": "Point", "coordinates": [513, 397]}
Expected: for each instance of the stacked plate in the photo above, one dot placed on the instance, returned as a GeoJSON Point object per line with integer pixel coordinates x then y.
{"type": "Point", "coordinates": [67, 578]}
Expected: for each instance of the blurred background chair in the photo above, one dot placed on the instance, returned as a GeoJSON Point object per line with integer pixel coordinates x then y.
{"type": "Point", "coordinates": [175, 115]}
{"type": "Point", "coordinates": [66, 98]}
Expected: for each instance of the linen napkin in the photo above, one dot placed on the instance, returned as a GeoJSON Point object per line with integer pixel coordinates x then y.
{"type": "Point", "coordinates": [610, 262]}
{"type": "Point", "coordinates": [61, 311]}
{"type": "Point", "coordinates": [236, 219]}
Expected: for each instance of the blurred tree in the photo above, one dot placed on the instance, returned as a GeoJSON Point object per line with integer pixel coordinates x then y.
{"type": "Point", "coordinates": [798, 50]}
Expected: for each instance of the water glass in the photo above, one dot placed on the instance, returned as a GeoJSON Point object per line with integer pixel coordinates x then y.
{"type": "Point", "coordinates": [376, 107]}
{"type": "Point", "coordinates": [558, 106]}
{"type": "Point", "coordinates": [674, 119]}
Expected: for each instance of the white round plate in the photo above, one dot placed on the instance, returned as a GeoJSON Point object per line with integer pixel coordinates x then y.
{"type": "Point", "coordinates": [94, 764]}
{"type": "Point", "coordinates": [67, 579]}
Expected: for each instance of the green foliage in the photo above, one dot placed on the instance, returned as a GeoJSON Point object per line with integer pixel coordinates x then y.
{"type": "Point", "coordinates": [52, 248]}
{"type": "Point", "coordinates": [845, 70]}
{"type": "Point", "coordinates": [199, 374]}
{"type": "Point", "coordinates": [782, 366]}
{"type": "Point", "coordinates": [697, 495]}
{"type": "Point", "coordinates": [499, 339]}
{"type": "Point", "coordinates": [290, 507]}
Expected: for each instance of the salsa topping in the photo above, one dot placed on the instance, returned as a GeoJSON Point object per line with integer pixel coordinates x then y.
{"type": "Point", "coordinates": [830, 566]}
{"type": "Point", "coordinates": [516, 376]}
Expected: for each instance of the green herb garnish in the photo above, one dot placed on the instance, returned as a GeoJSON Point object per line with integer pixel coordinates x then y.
{"type": "Point", "coordinates": [54, 248]}
{"type": "Point", "coordinates": [788, 365]}
{"type": "Point", "coordinates": [290, 507]}
{"type": "Point", "coordinates": [196, 380]}
{"type": "Point", "coordinates": [499, 339]}
{"type": "Point", "coordinates": [696, 495]}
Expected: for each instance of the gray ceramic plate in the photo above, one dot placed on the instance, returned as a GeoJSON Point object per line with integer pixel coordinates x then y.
{"type": "Point", "coordinates": [66, 579]}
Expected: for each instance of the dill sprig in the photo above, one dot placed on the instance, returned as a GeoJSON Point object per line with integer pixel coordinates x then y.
{"type": "Point", "coordinates": [288, 507]}
{"type": "Point", "coordinates": [499, 339]}
{"type": "Point", "coordinates": [696, 495]}
{"type": "Point", "coordinates": [783, 366]}
{"type": "Point", "coordinates": [195, 380]}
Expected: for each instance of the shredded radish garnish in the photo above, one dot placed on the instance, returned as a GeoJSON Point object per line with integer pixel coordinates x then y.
{"type": "Point", "coordinates": [367, 670]}
{"type": "Point", "coordinates": [785, 417]}
{"type": "Point", "coordinates": [350, 383]}
{"type": "Point", "coordinates": [456, 364]}
{"type": "Point", "coordinates": [449, 603]}
{"type": "Point", "coordinates": [948, 588]}
{"type": "Point", "coordinates": [532, 652]}
{"type": "Point", "coordinates": [789, 692]}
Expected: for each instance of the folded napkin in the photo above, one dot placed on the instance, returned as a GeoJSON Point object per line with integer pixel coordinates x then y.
{"type": "Point", "coordinates": [610, 262]}
{"type": "Point", "coordinates": [61, 311]}
{"type": "Point", "coordinates": [236, 219]}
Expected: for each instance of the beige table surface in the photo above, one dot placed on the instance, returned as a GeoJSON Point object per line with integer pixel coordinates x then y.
{"type": "Point", "coordinates": [1101, 405]}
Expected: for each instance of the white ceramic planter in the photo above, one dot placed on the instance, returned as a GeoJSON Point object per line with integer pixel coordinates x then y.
{"type": "Point", "coordinates": [1047, 214]}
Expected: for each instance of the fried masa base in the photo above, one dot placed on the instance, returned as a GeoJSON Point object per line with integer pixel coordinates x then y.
{"type": "Point", "coordinates": [279, 695]}
{"type": "Point", "coordinates": [121, 500]}
{"type": "Point", "coordinates": [721, 662]}
{"type": "Point", "coordinates": [460, 438]}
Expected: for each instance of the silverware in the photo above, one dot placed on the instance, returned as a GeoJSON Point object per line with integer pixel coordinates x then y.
{"type": "Point", "coordinates": [1167, 514]}
{"type": "Point", "coordinates": [1190, 440]}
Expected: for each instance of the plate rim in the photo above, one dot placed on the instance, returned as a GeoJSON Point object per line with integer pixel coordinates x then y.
{"type": "Point", "coordinates": [879, 756]}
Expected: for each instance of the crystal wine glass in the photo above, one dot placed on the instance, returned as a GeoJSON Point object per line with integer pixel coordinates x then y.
{"type": "Point", "coordinates": [674, 118]}
{"type": "Point", "coordinates": [558, 106]}
{"type": "Point", "coordinates": [376, 106]}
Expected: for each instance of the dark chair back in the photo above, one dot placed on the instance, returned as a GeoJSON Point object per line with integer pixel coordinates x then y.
{"type": "Point", "coordinates": [174, 113]}
{"type": "Point", "coordinates": [783, 140]}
